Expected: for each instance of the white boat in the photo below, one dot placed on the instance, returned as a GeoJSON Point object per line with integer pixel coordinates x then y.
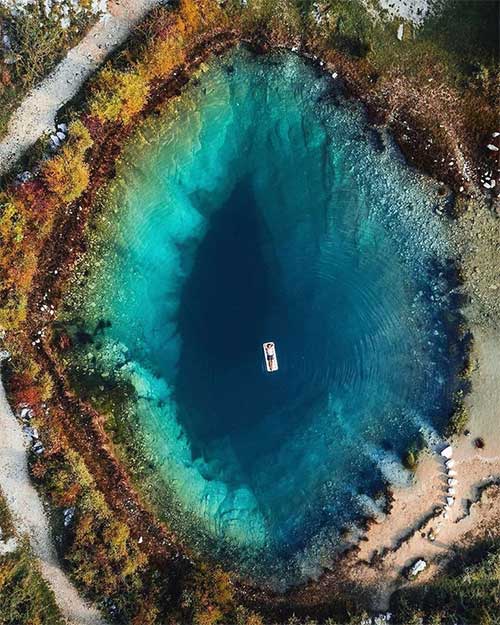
{"type": "Point", "coordinates": [270, 357]}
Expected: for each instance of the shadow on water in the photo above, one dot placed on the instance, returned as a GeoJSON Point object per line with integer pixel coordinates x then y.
{"type": "Point", "coordinates": [223, 320]}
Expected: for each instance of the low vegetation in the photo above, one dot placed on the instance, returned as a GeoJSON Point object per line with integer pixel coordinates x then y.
{"type": "Point", "coordinates": [468, 593]}
{"type": "Point", "coordinates": [25, 598]}
{"type": "Point", "coordinates": [34, 41]}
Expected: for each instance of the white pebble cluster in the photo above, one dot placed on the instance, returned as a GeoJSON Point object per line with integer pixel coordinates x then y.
{"type": "Point", "coordinates": [63, 10]}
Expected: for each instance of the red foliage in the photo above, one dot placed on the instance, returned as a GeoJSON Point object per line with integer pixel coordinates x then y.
{"type": "Point", "coordinates": [34, 196]}
{"type": "Point", "coordinates": [95, 126]}
{"type": "Point", "coordinates": [25, 392]}
{"type": "Point", "coordinates": [64, 342]}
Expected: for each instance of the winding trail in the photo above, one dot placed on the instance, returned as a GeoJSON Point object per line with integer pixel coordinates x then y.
{"type": "Point", "coordinates": [37, 112]}
{"type": "Point", "coordinates": [36, 115]}
{"type": "Point", "coordinates": [30, 518]}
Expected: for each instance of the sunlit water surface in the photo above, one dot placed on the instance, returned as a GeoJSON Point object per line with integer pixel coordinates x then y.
{"type": "Point", "coordinates": [261, 206]}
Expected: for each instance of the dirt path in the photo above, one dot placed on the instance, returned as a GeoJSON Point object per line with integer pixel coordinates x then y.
{"type": "Point", "coordinates": [29, 516]}
{"type": "Point", "coordinates": [37, 112]}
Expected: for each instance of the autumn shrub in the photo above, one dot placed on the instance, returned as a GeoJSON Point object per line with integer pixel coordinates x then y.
{"type": "Point", "coordinates": [67, 174]}
{"type": "Point", "coordinates": [209, 596]}
{"type": "Point", "coordinates": [118, 95]}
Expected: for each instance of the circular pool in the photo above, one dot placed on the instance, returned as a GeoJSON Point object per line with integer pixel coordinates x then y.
{"type": "Point", "coordinates": [261, 206]}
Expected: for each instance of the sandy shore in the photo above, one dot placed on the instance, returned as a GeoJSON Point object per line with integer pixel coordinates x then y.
{"type": "Point", "coordinates": [402, 537]}
{"type": "Point", "coordinates": [404, 534]}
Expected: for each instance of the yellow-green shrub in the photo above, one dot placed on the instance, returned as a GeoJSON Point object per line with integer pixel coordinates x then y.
{"type": "Point", "coordinates": [118, 96]}
{"type": "Point", "coordinates": [67, 174]}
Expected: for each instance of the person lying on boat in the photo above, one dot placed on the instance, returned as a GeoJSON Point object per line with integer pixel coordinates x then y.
{"type": "Point", "coordinates": [270, 354]}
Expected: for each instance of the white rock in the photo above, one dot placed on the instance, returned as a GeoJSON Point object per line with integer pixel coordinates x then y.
{"type": "Point", "coordinates": [452, 481]}
{"type": "Point", "coordinates": [492, 147]}
{"type": "Point", "coordinates": [60, 135]}
{"type": "Point", "coordinates": [418, 567]}
{"type": "Point", "coordinates": [450, 491]}
{"type": "Point", "coordinates": [447, 452]}
{"type": "Point", "coordinates": [26, 413]}
{"type": "Point", "coordinates": [452, 473]}
{"type": "Point", "coordinates": [496, 134]}
{"type": "Point", "coordinates": [400, 32]}
{"type": "Point", "coordinates": [450, 464]}
{"type": "Point", "coordinates": [450, 501]}
{"type": "Point", "coordinates": [8, 546]}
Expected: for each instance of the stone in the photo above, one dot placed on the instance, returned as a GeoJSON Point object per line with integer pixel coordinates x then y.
{"type": "Point", "coordinates": [26, 413]}
{"type": "Point", "coordinates": [400, 32]}
{"type": "Point", "coordinates": [8, 546]}
{"type": "Point", "coordinates": [69, 514]}
{"type": "Point", "coordinates": [450, 501]}
{"type": "Point", "coordinates": [60, 135]}
{"type": "Point", "coordinates": [418, 567]}
{"type": "Point", "coordinates": [38, 448]}
{"type": "Point", "coordinates": [450, 464]}
{"type": "Point", "coordinates": [452, 473]}
{"type": "Point", "coordinates": [492, 147]}
{"type": "Point", "coordinates": [452, 481]}
{"type": "Point", "coordinates": [4, 354]}
{"type": "Point", "coordinates": [451, 492]}
{"type": "Point", "coordinates": [447, 452]}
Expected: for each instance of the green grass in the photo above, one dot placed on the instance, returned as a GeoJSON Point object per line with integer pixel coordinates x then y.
{"type": "Point", "coordinates": [458, 43]}
{"type": "Point", "coordinates": [25, 598]}
{"type": "Point", "coordinates": [6, 523]}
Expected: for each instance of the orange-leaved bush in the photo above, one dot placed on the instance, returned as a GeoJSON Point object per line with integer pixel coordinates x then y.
{"type": "Point", "coordinates": [67, 174]}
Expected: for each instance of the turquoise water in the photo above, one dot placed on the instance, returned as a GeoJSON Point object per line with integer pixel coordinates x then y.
{"type": "Point", "coordinates": [261, 206]}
